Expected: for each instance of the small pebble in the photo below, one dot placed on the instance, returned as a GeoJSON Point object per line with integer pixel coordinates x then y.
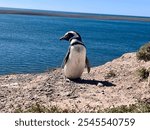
{"type": "Point", "coordinates": [100, 85]}
{"type": "Point", "coordinates": [103, 92]}
{"type": "Point", "coordinates": [67, 80]}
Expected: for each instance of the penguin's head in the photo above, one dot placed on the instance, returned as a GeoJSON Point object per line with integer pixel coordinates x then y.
{"type": "Point", "coordinates": [71, 35]}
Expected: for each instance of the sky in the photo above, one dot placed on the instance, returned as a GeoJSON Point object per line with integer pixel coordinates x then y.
{"type": "Point", "coordinates": [119, 7]}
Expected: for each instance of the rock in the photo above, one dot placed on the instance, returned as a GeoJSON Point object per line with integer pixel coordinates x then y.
{"type": "Point", "coordinates": [68, 80]}
{"type": "Point", "coordinates": [100, 85]}
{"type": "Point", "coordinates": [103, 92]}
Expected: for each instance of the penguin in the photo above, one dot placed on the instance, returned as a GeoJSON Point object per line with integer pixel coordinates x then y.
{"type": "Point", "coordinates": [76, 59]}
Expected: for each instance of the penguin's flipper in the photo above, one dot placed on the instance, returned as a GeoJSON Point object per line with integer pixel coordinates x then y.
{"type": "Point", "coordinates": [87, 64]}
{"type": "Point", "coordinates": [66, 58]}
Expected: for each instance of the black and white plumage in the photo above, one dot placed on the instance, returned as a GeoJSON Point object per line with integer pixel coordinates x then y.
{"type": "Point", "coordinates": [75, 60]}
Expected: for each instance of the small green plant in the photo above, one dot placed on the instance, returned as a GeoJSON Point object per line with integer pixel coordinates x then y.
{"type": "Point", "coordinates": [143, 73]}
{"type": "Point", "coordinates": [110, 74]}
{"type": "Point", "coordinates": [37, 108]}
{"type": "Point", "coordinates": [140, 107]}
{"type": "Point", "coordinates": [144, 52]}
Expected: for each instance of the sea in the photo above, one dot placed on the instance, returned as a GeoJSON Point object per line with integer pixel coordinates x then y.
{"type": "Point", "coordinates": [30, 44]}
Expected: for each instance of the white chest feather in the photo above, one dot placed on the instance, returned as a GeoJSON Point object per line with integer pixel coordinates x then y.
{"type": "Point", "coordinates": [76, 62]}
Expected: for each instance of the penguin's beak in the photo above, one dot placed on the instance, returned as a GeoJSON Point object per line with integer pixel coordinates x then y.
{"type": "Point", "coordinates": [62, 38]}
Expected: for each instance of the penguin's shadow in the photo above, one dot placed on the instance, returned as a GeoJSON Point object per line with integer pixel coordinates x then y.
{"type": "Point", "coordinates": [93, 82]}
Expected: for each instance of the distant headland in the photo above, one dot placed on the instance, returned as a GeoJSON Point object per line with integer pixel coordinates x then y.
{"type": "Point", "coordinates": [72, 15]}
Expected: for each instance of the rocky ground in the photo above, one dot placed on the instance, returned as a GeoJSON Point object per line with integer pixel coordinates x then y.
{"type": "Point", "coordinates": [113, 84]}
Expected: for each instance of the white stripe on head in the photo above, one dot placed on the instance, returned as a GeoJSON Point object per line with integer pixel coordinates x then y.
{"type": "Point", "coordinates": [71, 35]}
{"type": "Point", "coordinates": [75, 35]}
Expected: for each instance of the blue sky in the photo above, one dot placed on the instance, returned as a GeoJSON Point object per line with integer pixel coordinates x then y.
{"type": "Point", "coordinates": [121, 7]}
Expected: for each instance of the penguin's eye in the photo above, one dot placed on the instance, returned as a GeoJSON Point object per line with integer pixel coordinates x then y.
{"type": "Point", "coordinates": [70, 35]}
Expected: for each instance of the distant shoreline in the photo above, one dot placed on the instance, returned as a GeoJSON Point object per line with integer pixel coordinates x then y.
{"type": "Point", "coordinates": [72, 15]}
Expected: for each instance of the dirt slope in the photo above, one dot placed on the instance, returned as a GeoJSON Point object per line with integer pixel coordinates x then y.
{"type": "Point", "coordinates": [96, 90]}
